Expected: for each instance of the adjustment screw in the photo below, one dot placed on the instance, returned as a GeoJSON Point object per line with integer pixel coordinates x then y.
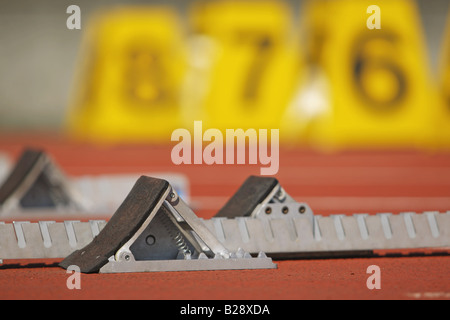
{"type": "Point", "coordinates": [150, 240]}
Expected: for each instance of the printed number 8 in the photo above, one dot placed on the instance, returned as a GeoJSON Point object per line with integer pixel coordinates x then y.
{"type": "Point", "coordinates": [145, 77]}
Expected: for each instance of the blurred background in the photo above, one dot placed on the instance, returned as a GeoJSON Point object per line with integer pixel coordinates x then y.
{"type": "Point", "coordinates": [136, 70]}
{"type": "Point", "coordinates": [104, 99]}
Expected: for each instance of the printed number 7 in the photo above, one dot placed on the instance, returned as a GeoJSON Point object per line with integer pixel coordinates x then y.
{"type": "Point", "coordinates": [263, 45]}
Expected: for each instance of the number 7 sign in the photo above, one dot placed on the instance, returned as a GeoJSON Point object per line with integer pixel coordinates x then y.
{"type": "Point", "coordinates": [251, 66]}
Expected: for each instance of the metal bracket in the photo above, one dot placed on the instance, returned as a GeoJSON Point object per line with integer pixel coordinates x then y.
{"type": "Point", "coordinates": [252, 195]}
{"type": "Point", "coordinates": [264, 198]}
{"type": "Point", "coordinates": [171, 231]}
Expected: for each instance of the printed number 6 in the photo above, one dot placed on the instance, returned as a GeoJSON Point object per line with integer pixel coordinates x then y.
{"type": "Point", "coordinates": [379, 80]}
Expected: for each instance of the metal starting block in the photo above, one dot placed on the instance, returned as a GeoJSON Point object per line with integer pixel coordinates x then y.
{"type": "Point", "coordinates": [154, 230]}
{"type": "Point", "coordinates": [35, 182]}
{"type": "Point", "coordinates": [37, 187]}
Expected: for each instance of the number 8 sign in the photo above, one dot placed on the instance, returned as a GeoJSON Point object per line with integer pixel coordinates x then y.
{"type": "Point", "coordinates": [129, 88]}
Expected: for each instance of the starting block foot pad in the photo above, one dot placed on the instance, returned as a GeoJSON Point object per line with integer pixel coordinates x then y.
{"type": "Point", "coordinates": [251, 193]}
{"type": "Point", "coordinates": [24, 165]}
{"type": "Point", "coordinates": [135, 209]}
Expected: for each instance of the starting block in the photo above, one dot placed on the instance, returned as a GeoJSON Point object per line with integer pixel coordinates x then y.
{"type": "Point", "coordinates": [37, 187]}
{"type": "Point", "coordinates": [157, 231]}
{"type": "Point", "coordinates": [36, 183]}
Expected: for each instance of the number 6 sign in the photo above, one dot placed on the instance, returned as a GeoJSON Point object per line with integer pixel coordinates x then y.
{"type": "Point", "coordinates": [380, 92]}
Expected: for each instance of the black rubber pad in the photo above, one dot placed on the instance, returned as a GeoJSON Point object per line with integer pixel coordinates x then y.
{"type": "Point", "coordinates": [125, 222]}
{"type": "Point", "coordinates": [251, 193]}
{"type": "Point", "coordinates": [24, 165]}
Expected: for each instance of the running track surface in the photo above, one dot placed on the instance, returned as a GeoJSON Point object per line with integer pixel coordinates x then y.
{"type": "Point", "coordinates": [345, 182]}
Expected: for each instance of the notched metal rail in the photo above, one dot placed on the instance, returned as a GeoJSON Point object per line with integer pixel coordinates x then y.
{"type": "Point", "coordinates": [46, 239]}
{"type": "Point", "coordinates": [334, 235]}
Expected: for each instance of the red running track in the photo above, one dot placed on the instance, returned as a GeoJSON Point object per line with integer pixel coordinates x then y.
{"type": "Point", "coordinates": [346, 182]}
